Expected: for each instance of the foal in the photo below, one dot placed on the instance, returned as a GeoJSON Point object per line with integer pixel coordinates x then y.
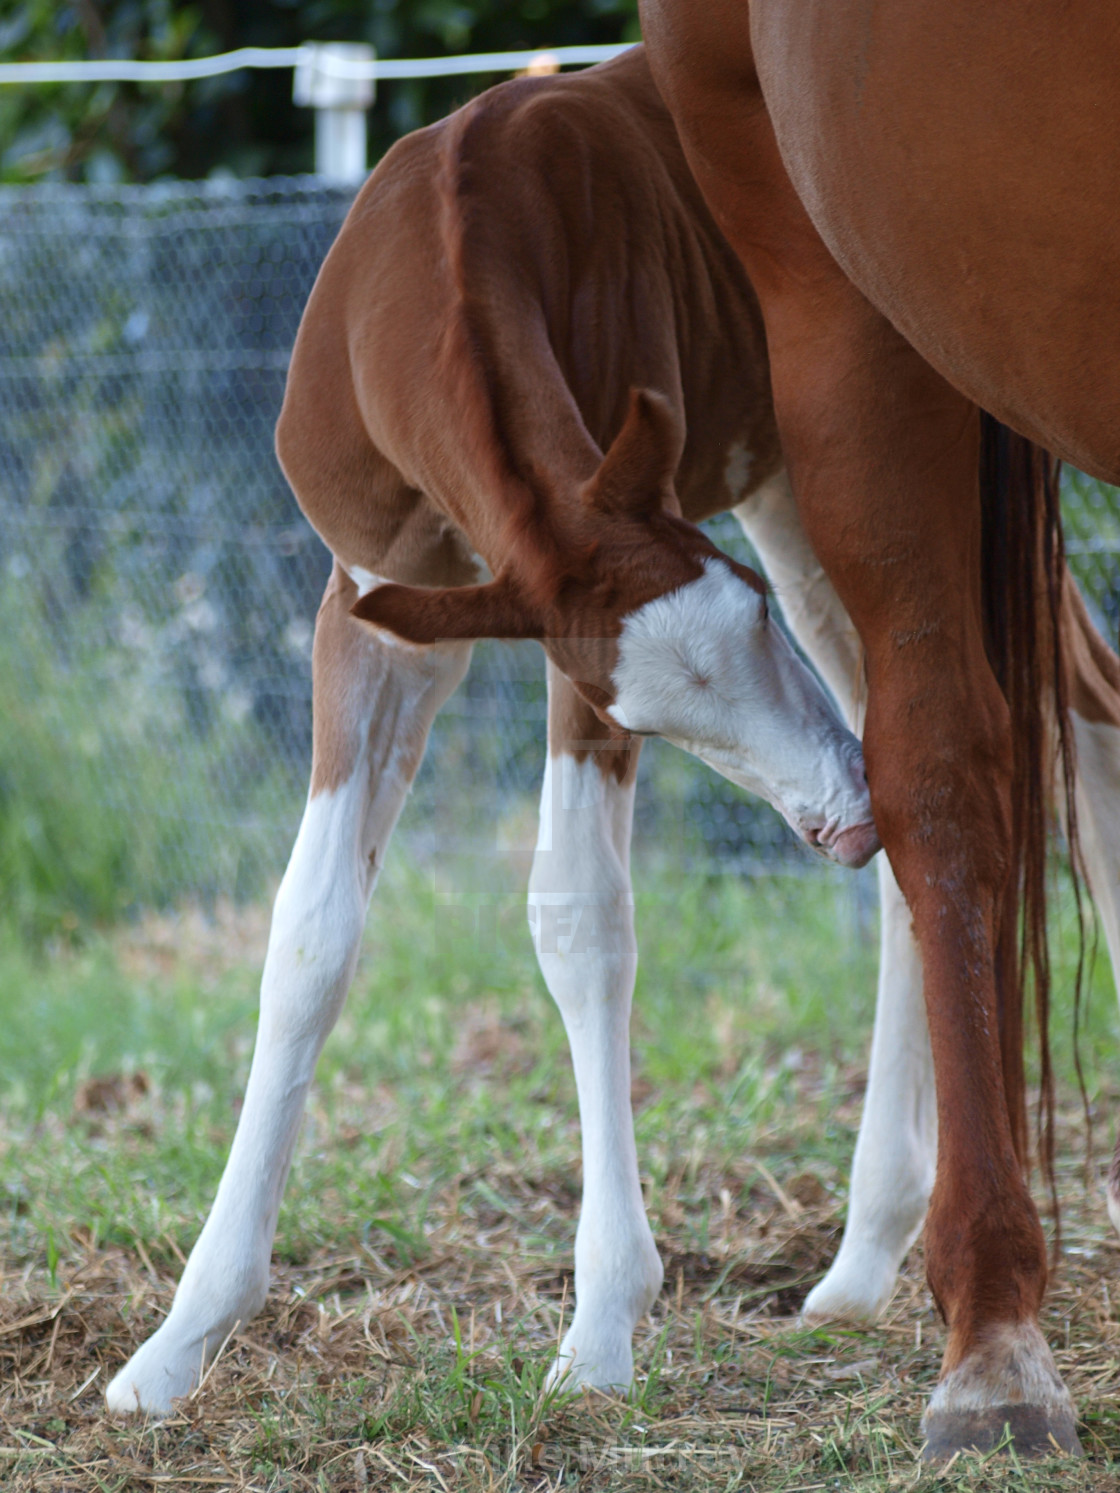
{"type": "Point", "coordinates": [506, 292]}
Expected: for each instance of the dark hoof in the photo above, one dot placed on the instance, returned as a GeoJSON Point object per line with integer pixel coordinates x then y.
{"type": "Point", "coordinates": [1036, 1432]}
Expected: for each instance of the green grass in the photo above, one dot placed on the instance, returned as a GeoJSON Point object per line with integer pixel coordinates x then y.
{"type": "Point", "coordinates": [424, 1248]}
{"type": "Point", "coordinates": [93, 824]}
{"type": "Point", "coordinates": [725, 995]}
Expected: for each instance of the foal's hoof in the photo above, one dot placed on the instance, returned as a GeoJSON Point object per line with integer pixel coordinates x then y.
{"type": "Point", "coordinates": [856, 1289]}
{"type": "Point", "coordinates": [1007, 1383]}
{"type": "Point", "coordinates": [1036, 1431]}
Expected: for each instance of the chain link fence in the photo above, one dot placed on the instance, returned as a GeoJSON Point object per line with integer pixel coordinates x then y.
{"type": "Point", "coordinates": [158, 584]}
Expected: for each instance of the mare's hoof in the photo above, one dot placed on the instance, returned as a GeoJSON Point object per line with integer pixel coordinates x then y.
{"type": "Point", "coordinates": [1008, 1382]}
{"type": "Point", "coordinates": [1037, 1431]}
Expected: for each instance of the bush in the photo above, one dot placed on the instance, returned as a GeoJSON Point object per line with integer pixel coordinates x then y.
{"type": "Point", "coordinates": [107, 792]}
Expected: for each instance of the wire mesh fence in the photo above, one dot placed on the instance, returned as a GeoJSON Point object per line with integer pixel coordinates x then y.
{"type": "Point", "coordinates": [158, 585]}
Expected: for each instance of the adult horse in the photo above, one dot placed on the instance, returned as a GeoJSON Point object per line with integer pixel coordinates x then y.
{"type": "Point", "coordinates": [962, 163]}
{"type": "Point", "coordinates": [882, 452]}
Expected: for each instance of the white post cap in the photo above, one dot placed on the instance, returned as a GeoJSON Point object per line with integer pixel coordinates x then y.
{"type": "Point", "coordinates": [321, 80]}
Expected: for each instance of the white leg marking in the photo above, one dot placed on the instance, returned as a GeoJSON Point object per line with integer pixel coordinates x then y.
{"type": "Point", "coordinates": [1013, 1366]}
{"type": "Point", "coordinates": [312, 949]}
{"type": "Point", "coordinates": [812, 610]}
{"type": "Point", "coordinates": [896, 1153]}
{"type": "Point", "coordinates": [582, 919]}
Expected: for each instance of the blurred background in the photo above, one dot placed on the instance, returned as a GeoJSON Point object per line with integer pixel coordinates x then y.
{"type": "Point", "coordinates": [158, 585]}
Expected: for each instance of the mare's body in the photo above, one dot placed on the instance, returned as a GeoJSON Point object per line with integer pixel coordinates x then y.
{"type": "Point", "coordinates": [882, 451]}
{"type": "Point", "coordinates": [962, 163]}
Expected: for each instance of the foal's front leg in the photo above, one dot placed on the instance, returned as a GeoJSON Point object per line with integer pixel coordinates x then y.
{"type": "Point", "coordinates": [582, 920]}
{"type": "Point", "coordinates": [374, 703]}
{"type": "Point", "coordinates": [895, 1159]}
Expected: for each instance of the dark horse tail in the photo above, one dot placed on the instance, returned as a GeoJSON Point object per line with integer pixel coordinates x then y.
{"type": "Point", "coordinates": [1024, 571]}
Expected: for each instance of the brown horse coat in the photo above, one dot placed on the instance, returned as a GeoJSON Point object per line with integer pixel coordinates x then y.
{"type": "Point", "coordinates": [451, 392]}
{"type": "Point", "coordinates": [882, 453]}
{"type": "Point", "coordinates": [962, 163]}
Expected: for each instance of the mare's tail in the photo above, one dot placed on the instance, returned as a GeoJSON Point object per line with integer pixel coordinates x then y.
{"type": "Point", "coordinates": [1024, 571]}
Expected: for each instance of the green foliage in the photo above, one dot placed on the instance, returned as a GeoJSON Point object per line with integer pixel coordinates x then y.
{"type": "Point", "coordinates": [246, 122]}
{"type": "Point", "coordinates": [75, 716]}
{"type": "Point", "coordinates": [99, 131]}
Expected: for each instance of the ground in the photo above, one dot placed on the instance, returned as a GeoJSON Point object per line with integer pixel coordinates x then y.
{"type": "Point", "coordinates": [422, 1268]}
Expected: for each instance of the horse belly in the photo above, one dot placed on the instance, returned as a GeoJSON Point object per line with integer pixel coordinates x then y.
{"type": "Point", "coordinates": [964, 170]}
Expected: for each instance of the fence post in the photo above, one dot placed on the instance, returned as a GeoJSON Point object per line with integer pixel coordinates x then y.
{"type": "Point", "coordinates": [340, 106]}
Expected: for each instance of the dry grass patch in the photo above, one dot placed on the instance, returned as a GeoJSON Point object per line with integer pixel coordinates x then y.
{"type": "Point", "coordinates": [360, 1374]}
{"type": "Point", "coordinates": [423, 1261]}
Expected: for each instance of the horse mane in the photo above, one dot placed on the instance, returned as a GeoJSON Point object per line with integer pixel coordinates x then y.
{"type": "Point", "coordinates": [1023, 574]}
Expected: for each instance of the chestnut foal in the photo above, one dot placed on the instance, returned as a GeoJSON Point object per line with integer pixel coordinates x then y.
{"type": "Point", "coordinates": [503, 282]}
{"type": "Point", "coordinates": [883, 453]}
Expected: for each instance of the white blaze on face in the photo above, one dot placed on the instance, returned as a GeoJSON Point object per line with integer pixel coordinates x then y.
{"type": "Point", "coordinates": [705, 667]}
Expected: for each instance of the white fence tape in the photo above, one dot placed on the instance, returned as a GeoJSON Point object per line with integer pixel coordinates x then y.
{"type": "Point", "coordinates": [127, 70]}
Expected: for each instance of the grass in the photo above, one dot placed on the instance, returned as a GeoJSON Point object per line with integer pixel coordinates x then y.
{"type": "Point", "coordinates": [423, 1258]}
{"type": "Point", "coordinates": [93, 824]}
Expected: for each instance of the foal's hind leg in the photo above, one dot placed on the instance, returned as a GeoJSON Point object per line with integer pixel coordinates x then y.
{"type": "Point", "coordinates": [374, 703]}
{"type": "Point", "coordinates": [895, 1159]}
{"type": "Point", "coordinates": [896, 1152]}
{"type": "Point", "coordinates": [582, 919]}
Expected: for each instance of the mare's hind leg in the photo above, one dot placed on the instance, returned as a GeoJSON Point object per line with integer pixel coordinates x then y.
{"type": "Point", "coordinates": [896, 1152]}
{"type": "Point", "coordinates": [582, 919]}
{"type": "Point", "coordinates": [374, 703]}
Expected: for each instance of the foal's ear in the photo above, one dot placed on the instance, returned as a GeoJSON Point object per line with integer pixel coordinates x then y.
{"type": "Point", "coordinates": [636, 475]}
{"type": "Point", "coordinates": [423, 614]}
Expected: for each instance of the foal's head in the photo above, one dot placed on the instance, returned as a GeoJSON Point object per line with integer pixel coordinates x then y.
{"type": "Point", "coordinates": [665, 636]}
